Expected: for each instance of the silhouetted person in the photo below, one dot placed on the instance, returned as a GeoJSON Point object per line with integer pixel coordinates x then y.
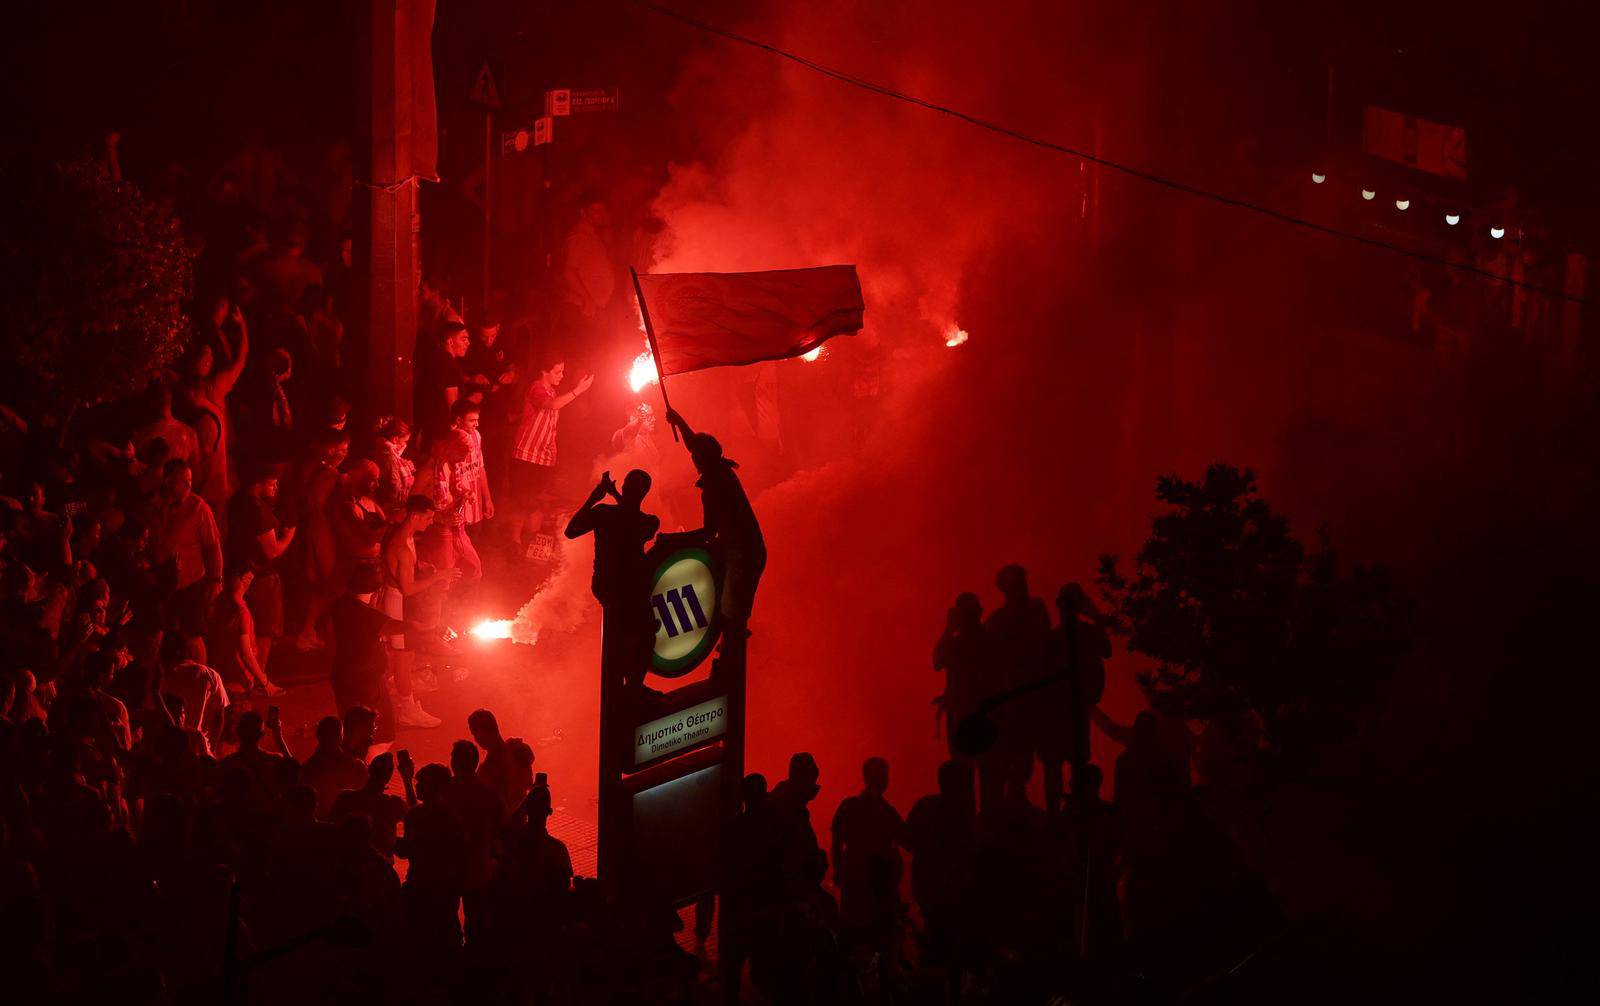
{"type": "Point", "coordinates": [1078, 649]}
{"type": "Point", "coordinates": [866, 833]}
{"type": "Point", "coordinates": [477, 806]}
{"type": "Point", "coordinates": [789, 805]}
{"type": "Point", "coordinates": [730, 522]}
{"type": "Point", "coordinates": [531, 889]}
{"type": "Point", "coordinates": [961, 654]}
{"type": "Point", "coordinates": [435, 844]}
{"type": "Point", "coordinates": [749, 891]}
{"type": "Point", "coordinates": [383, 810]}
{"type": "Point", "coordinates": [796, 958]}
{"type": "Point", "coordinates": [1019, 632]}
{"type": "Point", "coordinates": [942, 837]}
{"type": "Point", "coordinates": [496, 768]}
{"type": "Point", "coordinates": [621, 583]}
{"type": "Point", "coordinates": [330, 770]}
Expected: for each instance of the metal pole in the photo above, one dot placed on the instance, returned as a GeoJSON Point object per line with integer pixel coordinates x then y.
{"type": "Point", "coordinates": [488, 160]}
{"type": "Point", "coordinates": [655, 351]}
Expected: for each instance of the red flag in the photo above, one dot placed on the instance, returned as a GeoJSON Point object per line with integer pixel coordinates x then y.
{"type": "Point", "coordinates": [723, 319]}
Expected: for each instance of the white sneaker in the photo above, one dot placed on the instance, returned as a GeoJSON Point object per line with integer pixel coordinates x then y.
{"type": "Point", "coordinates": [411, 714]}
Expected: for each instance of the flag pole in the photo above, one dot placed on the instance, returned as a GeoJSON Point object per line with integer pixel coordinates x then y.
{"type": "Point", "coordinates": [655, 351]}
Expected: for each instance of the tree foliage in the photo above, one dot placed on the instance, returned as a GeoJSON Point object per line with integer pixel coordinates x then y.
{"type": "Point", "coordinates": [1242, 619]}
{"type": "Point", "coordinates": [94, 278]}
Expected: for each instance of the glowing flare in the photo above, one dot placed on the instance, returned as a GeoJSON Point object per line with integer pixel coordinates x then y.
{"type": "Point", "coordinates": [1368, 195]}
{"type": "Point", "coordinates": [493, 628]}
{"type": "Point", "coordinates": [1402, 204]}
{"type": "Point", "coordinates": [1318, 177]}
{"type": "Point", "coordinates": [643, 371]}
{"type": "Point", "coordinates": [814, 355]}
{"type": "Point", "coordinates": [1497, 232]}
{"type": "Point", "coordinates": [954, 336]}
{"type": "Point", "coordinates": [1452, 218]}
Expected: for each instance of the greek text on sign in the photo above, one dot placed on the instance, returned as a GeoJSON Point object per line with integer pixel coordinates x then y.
{"type": "Point", "coordinates": [684, 605]}
{"type": "Point", "coordinates": [605, 99]}
{"type": "Point", "coordinates": [682, 730]}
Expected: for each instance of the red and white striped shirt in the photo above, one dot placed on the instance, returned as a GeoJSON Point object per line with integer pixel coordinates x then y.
{"type": "Point", "coordinates": [536, 437]}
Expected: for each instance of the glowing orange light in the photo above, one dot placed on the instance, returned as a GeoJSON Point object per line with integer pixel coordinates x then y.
{"type": "Point", "coordinates": [643, 371]}
{"type": "Point", "coordinates": [955, 336]}
{"type": "Point", "coordinates": [492, 628]}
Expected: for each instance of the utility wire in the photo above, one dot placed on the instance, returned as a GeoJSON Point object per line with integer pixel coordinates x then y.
{"type": "Point", "coordinates": [1126, 169]}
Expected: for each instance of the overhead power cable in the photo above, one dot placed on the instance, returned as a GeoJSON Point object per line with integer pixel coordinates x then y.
{"type": "Point", "coordinates": [1084, 155]}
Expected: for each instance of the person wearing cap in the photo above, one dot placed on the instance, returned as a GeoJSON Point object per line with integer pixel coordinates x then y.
{"type": "Point", "coordinates": [731, 523]}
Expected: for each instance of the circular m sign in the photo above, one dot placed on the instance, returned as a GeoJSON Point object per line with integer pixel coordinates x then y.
{"type": "Point", "coordinates": [683, 600]}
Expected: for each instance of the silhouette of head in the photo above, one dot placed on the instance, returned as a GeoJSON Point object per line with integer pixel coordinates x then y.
{"type": "Point", "coordinates": [432, 779]}
{"type": "Point", "coordinates": [1013, 582]}
{"type": "Point", "coordinates": [968, 609]}
{"type": "Point", "coordinates": [329, 732]}
{"type": "Point", "coordinates": [803, 769]}
{"type": "Point", "coordinates": [484, 727]}
{"type": "Point", "coordinates": [635, 486]}
{"type": "Point", "coordinates": [955, 781]}
{"type": "Point", "coordinates": [1071, 599]}
{"type": "Point", "coordinates": [463, 759]}
{"type": "Point", "coordinates": [704, 450]}
{"type": "Point", "coordinates": [875, 775]}
{"type": "Point", "coordinates": [360, 727]}
{"type": "Point", "coordinates": [539, 803]}
{"type": "Point", "coordinates": [381, 771]}
{"type": "Point", "coordinates": [803, 774]}
{"type": "Point", "coordinates": [249, 729]}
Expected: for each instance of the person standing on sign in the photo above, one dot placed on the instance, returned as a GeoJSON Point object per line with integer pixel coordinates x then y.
{"type": "Point", "coordinates": [730, 522]}
{"type": "Point", "coordinates": [621, 582]}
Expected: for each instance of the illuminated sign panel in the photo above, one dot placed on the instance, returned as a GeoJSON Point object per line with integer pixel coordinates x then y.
{"type": "Point", "coordinates": [683, 602]}
{"type": "Point", "coordinates": [680, 731]}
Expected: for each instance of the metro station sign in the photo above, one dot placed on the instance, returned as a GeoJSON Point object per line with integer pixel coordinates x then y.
{"type": "Point", "coordinates": [681, 731]}
{"type": "Point", "coordinates": [683, 600]}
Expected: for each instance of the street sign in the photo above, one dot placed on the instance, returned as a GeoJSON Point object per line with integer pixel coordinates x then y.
{"type": "Point", "coordinates": [604, 99]}
{"type": "Point", "coordinates": [518, 141]}
{"type": "Point", "coordinates": [681, 731]}
{"type": "Point", "coordinates": [684, 600]}
{"type": "Point", "coordinates": [484, 93]}
{"type": "Point", "coordinates": [558, 102]}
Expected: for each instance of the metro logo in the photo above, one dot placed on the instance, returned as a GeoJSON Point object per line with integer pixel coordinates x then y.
{"type": "Point", "coordinates": [683, 606]}
{"type": "Point", "coordinates": [677, 598]}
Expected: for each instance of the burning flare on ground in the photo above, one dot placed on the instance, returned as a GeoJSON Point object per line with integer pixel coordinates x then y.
{"type": "Point", "coordinates": [954, 336]}
{"type": "Point", "coordinates": [492, 628]}
{"type": "Point", "coordinates": [643, 371]}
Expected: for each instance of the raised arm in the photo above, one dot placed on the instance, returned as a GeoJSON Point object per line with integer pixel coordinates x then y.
{"type": "Point", "coordinates": [228, 376]}
{"type": "Point", "coordinates": [676, 419]}
{"type": "Point", "coordinates": [582, 521]}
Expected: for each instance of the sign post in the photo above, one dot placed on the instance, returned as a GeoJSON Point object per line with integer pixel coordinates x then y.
{"type": "Point", "coordinates": [486, 96]}
{"type": "Point", "coordinates": [671, 762]}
